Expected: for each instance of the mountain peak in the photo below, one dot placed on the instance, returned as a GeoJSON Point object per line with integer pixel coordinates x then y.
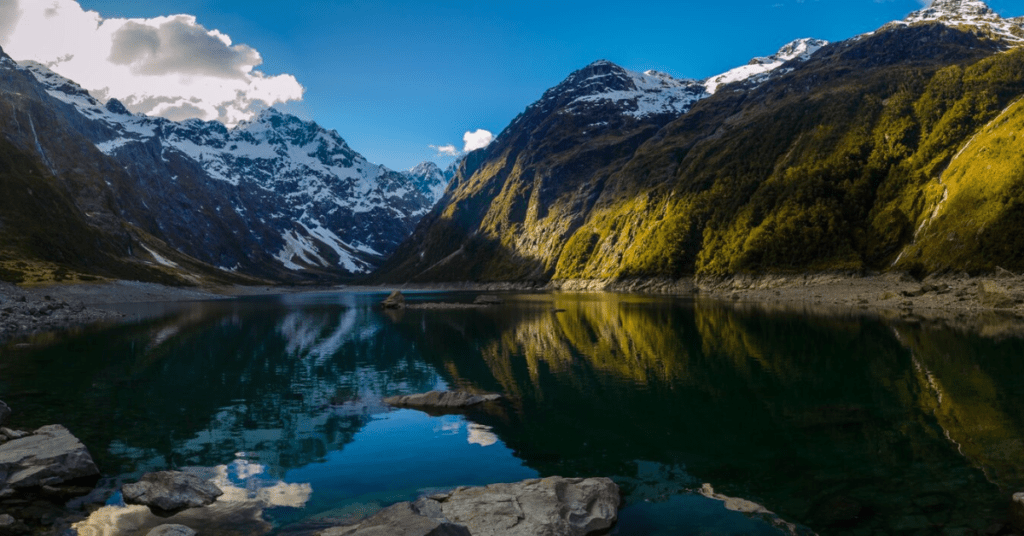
{"type": "Point", "coordinates": [637, 94]}
{"type": "Point", "coordinates": [425, 167]}
{"type": "Point", "coordinates": [968, 8]}
{"type": "Point", "coordinates": [970, 13]}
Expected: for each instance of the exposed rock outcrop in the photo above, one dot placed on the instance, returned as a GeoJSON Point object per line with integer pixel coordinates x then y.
{"type": "Point", "coordinates": [440, 399]}
{"type": "Point", "coordinates": [549, 506]}
{"type": "Point", "coordinates": [49, 456]}
{"type": "Point", "coordinates": [171, 491]}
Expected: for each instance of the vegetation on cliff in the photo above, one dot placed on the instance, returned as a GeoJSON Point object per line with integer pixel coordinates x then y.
{"type": "Point", "coordinates": [840, 164]}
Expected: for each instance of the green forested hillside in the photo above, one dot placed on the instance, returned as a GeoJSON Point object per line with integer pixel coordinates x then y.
{"type": "Point", "coordinates": [833, 166]}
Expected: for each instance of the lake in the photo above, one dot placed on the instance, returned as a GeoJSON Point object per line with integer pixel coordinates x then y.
{"type": "Point", "coordinates": [839, 424]}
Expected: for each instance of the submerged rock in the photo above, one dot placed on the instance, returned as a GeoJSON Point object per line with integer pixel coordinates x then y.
{"type": "Point", "coordinates": [1017, 510]}
{"type": "Point", "coordinates": [440, 399]}
{"type": "Point", "coordinates": [554, 506]}
{"type": "Point", "coordinates": [394, 301]}
{"type": "Point", "coordinates": [487, 299]}
{"type": "Point", "coordinates": [402, 519]}
{"type": "Point", "coordinates": [171, 491]}
{"type": "Point", "coordinates": [171, 530]}
{"type": "Point", "coordinates": [11, 526]}
{"type": "Point", "coordinates": [47, 457]}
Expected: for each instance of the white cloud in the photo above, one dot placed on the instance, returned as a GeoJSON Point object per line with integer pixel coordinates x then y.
{"type": "Point", "coordinates": [477, 140]}
{"type": "Point", "coordinates": [445, 150]}
{"type": "Point", "coordinates": [168, 66]}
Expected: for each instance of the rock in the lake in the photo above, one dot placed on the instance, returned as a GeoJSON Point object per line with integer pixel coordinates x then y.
{"type": "Point", "coordinates": [440, 399]}
{"type": "Point", "coordinates": [171, 491]}
{"type": "Point", "coordinates": [555, 505]}
{"type": "Point", "coordinates": [402, 519]}
{"type": "Point", "coordinates": [550, 506]}
{"type": "Point", "coordinates": [171, 530]}
{"type": "Point", "coordinates": [487, 299]}
{"type": "Point", "coordinates": [10, 526]}
{"type": "Point", "coordinates": [50, 456]}
{"type": "Point", "coordinates": [1017, 510]}
{"type": "Point", "coordinates": [395, 301]}
{"type": "Point", "coordinates": [5, 413]}
{"type": "Point", "coordinates": [13, 434]}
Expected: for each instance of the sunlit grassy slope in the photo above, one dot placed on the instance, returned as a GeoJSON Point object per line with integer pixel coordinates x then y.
{"type": "Point", "coordinates": [832, 166]}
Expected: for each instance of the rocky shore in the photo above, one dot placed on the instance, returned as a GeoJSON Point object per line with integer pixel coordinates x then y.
{"type": "Point", "coordinates": [24, 313]}
{"type": "Point", "coordinates": [48, 486]}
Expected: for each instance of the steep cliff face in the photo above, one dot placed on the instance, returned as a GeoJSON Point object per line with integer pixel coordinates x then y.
{"type": "Point", "coordinates": [834, 160]}
{"type": "Point", "coordinates": [824, 168]}
{"type": "Point", "coordinates": [514, 203]}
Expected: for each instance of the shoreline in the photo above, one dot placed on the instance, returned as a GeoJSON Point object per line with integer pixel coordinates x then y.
{"type": "Point", "coordinates": [993, 305]}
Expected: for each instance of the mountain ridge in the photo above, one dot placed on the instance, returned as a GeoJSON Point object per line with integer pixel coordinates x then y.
{"type": "Point", "coordinates": [826, 164]}
{"type": "Point", "coordinates": [290, 199]}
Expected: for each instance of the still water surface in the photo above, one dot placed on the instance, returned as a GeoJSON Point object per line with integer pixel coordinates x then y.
{"type": "Point", "coordinates": [841, 424]}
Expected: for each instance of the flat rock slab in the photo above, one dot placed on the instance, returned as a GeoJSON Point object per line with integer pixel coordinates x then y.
{"type": "Point", "coordinates": [171, 491]}
{"type": "Point", "coordinates": [49, 456]}
{"type": "Point", "coordinates": [549, 506]}
{"type": "Point", "coordinates": [440, 399]}
{"type": "Point", "coordinates": [552, 506]}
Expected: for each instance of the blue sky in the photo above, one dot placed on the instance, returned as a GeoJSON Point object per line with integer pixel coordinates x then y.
{"type": "Point", "coordinates": [395, 77]}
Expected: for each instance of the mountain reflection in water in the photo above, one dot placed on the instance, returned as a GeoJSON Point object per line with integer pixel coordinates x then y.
{"type": "Point", "coordinates": [840, 422]}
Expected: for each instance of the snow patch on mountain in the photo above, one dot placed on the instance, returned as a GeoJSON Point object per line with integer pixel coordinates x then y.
{"type": "Point", "coordinates": [637, 94]}
{"type": "Point", "coordinates": [652, 93]}
{"type": "Point", "coordinates": [970, 14]}
{"type": "Point", "coordinates": [430, 179]}
{"type": "Point", "coordinates": [303, 173]}
{"type": "Point", "coordinates": [760, 68]}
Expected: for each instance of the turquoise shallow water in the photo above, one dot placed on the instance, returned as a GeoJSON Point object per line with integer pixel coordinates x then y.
{"type": "Point", "coordinates": [839, 424]}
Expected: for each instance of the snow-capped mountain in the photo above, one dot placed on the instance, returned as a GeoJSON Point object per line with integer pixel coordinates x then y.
{"type": "Point", "coordinates": [968, 13]}
{"type": "Point", "coordinates": [610, 174]}
{"type": "Point", "coordinates": [654, 93]}
{"type": "Point", "coordinates": [430, 179]}
{"type": "Point", "coordinates": [760, 68]}
{"type": "Point", "coordinates": [636, 94]}
{"type": "Point", "coordinates": [297, 191]}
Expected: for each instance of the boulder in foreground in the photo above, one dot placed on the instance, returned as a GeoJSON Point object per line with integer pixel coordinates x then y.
{"type": "Point", "coordinates": [47, 457]}
{"type": "Point", "coordinates": [549, 506]}
{"type": "Point", "coordinates": [171, 491]}
{"type": "Point", "coordinates": [440, 399]}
